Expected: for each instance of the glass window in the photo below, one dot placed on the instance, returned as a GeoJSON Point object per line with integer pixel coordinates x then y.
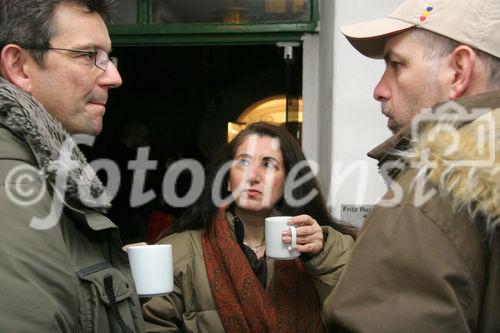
{"type": "Point", "coordinates": [229, 11]}
{"type": "Point", "coordinates": [126, 12]}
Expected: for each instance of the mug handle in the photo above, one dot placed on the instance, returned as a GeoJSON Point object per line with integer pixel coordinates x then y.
{"type": "Point", "coordinates": [293, 232]}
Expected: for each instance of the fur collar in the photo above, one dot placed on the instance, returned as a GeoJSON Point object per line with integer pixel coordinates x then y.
{"type": "Point", "coordinates": [464, 166]}
{"type": "Point", "coordinates": [53, 148]}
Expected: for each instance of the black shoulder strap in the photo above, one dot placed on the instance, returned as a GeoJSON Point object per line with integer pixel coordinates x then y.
{"type": "Point", "coordinates": [108, 287]}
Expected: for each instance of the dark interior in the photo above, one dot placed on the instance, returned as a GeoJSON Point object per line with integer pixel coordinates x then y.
{"type": "Point", "coordinates": [184, 96]}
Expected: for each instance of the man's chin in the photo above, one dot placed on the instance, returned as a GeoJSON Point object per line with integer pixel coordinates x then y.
{"type": "Point", "coordinates": [95, 125]}
{"type": "Point", "coordinates": [95, 130]}
{"type": "Point", "coordinates": [392, 126]}
{"type": "Point", "coordinates": [92, 130]}
{"type": "Point", "coordinates": [394, 130]}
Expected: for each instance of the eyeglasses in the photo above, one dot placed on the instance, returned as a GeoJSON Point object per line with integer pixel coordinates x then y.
{"type": "Point", "coordinates": [99, 57]}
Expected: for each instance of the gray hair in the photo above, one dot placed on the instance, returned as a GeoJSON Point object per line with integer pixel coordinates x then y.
{"type": "Point", "coordinates": [438, 47]}
{"type": "Point", "coordinates": [28, 23]}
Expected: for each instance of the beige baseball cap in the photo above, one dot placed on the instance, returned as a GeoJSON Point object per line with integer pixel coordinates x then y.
{"type": "Point", "coordinates": [472, 22]}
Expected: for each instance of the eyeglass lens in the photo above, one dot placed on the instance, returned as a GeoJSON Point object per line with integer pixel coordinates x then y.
{"type": "Point", "coordinates": [102, 59]}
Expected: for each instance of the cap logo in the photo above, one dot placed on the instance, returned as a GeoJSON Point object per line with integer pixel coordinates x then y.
{"type": "Point", "coordinates": [427, 12]}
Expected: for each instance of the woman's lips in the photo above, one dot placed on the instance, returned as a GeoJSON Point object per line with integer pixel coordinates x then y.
{"type": "Point", "coordinates": [252, 192]}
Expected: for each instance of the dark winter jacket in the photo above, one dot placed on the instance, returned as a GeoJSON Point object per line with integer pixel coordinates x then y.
{"type": "Point", "coordinates": [61, 264]}
{"type": "Point", "coordinates": [428, 257]}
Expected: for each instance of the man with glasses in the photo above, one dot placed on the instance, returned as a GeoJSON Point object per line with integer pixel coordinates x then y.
{"type": "Point", "coordinates": [61, 264]}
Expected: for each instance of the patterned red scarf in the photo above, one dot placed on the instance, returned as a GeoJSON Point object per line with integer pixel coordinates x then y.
{"type": "Point", "coordinates": [289, 305]}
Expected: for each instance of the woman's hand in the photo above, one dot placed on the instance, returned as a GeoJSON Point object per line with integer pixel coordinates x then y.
{"type": "Point", "coordinates": [309, 234]}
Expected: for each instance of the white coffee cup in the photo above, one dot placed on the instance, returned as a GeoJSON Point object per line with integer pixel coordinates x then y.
{"type": "Point", "coordinates": [275, 248]}
{"type": "Point", "coordinates": [152, 269]}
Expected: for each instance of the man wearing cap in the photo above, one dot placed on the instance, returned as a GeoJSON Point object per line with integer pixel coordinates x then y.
{"type": "Point", "coordinates": [428, 256]}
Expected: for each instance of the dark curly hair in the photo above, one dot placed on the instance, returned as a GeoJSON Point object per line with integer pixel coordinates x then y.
{"type": "Point", "coordinates": [200, 215]}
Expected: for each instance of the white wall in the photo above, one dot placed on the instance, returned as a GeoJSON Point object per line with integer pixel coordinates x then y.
{"type": "Point", "coordinates": [357, 124]}
{"type": "Point", "coordinates": [310, 96]}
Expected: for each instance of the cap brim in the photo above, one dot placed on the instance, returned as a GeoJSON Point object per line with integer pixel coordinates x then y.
{"type": "Point", "coordinates": [370, 37]}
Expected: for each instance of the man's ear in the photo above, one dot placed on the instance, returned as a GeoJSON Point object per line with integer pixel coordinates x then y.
{"type": "Point", "coordinates": [13, 64]}
{"type": "Point", "coordinates": [462, 62]}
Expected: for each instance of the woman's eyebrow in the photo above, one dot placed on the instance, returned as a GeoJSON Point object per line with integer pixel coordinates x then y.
{"type": "Point", "coordinates": [267, 158]}
{"type": "Point", "coordinates": [244, 155]}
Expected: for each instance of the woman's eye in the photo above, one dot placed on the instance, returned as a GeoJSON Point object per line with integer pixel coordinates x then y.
{"type": "Point", "coordinates": [242, 162]}
{"type": "Point", "coordinates": [270, 165]}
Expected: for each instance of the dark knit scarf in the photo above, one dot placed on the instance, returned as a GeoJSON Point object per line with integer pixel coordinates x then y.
{"type": "Point", "coordinates": [289, 305]}
{"type": "Point", "coordinates": [54, 149]}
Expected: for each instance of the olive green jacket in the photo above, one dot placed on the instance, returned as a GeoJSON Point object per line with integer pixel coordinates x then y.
{"type": "Point", "coordinates": [428, 257]}
{"type": "Point", "coordinates": [191, 307]}
{"type": "Point", "coordinates": [61, 264]}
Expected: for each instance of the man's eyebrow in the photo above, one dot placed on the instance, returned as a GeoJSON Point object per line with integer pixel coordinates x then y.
{"type": "Point", "coordinates": [389, 54]}
{"type": "Point", "coordinates": [91, 47]}
{"type": "Point", "coordinates": [84, 46]}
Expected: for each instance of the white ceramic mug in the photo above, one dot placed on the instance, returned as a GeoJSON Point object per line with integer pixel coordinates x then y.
{"type": "Point", "coordinates": [275, 248]}
{"type": "Point", "coordinates": [152, 269]}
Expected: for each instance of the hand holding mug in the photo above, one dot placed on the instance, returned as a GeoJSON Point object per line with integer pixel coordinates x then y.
{"type": "Point", "coordinates": [309, 234]}
{"type": "Point", "coordinates": [275, 248]}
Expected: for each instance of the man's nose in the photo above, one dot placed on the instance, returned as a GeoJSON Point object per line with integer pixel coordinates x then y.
{"type": "Point", "coordinates": [382, 92]}
{"type": "Point", "coordinates": [110, 78]}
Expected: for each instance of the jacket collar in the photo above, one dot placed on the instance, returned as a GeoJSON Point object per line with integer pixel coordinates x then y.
{"type": "Point", "coordinates": [388, 151]}
{"type": "Point", "coordinates": [472, 186]}
{"type": "Point", "coordinates": [54, 150]}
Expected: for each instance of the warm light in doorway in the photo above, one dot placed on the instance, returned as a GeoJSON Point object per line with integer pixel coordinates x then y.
{"type": "Point", "coordinates": [271, 109]}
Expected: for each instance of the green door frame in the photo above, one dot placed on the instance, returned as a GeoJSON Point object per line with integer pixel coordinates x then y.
{"type": "Point", "coordinates": [145, 33]}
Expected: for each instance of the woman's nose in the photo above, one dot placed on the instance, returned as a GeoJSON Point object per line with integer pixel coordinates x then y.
{"type": "Point", "coordinates": [254, 174]}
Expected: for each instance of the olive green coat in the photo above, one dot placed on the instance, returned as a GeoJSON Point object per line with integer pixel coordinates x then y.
{"type": "Point", "coordinates": [53, 268]}
{"type": "Point", "coordinates": [191, 307]}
